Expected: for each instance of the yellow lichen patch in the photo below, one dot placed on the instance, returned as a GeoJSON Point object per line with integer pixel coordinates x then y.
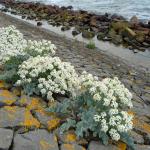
{"type": "Point", "coordinates": [70, 137]}
{"type": "Point", "coordinates": [130, 112]}
{"type": "Point", "coordinates": [6, 93]}
{"type": "Point", "coordinates": [35, 104]}
{"type": "Point", "coordinates": [69, 147]}
{"type": "Point", "coordinates": [11, 111]}
{"type": "Point", "coordinates": [55, 138]}
{"type": "Point", "coordinates": [29, 120]}
{"type": "Point", "coordinates": [45, 146]}
{"type": "Point", "coordinates": [121, 146]}
{"type": "Point", "coordinates": [7, 97]}
{"type": "Point", "coordinates": [141, 125]}
{"type": "Point", "coordinates": [53, 123]}
{"type": "Point", "coordinates": [32, 103]}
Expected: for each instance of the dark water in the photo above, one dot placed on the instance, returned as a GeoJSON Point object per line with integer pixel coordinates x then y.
{"type": "Point", "coordinates": [127, 8]}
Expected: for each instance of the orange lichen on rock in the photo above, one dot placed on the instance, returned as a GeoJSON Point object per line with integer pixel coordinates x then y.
{"type": "Point", "coordinates": [53, 123]}
{"type": "Point", "coordinates": [70, 137]}
{"type": "Point", "coordinates": [121, 146]}
{"type": "Point", "coordinates": [7, 97]}
{"type": "Point", "coordinates": [45, 145]}
{"type": "Point", "coordinates": [35, 104]}
{"type": "Point", "coordinates": [29, 120]}
{"type": "Point", "coordinates": [69, 147]}
{"type": "Point", "coordinates": [141, 125]}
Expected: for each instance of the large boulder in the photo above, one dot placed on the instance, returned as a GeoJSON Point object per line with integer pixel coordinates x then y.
{"type": "Point", "coordinates": [6, 137]}
{"type": "Point", "coordinates": [35, 140]}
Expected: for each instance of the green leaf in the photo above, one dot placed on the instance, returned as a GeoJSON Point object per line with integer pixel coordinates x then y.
{"type": "Point", "coordinates": [128, 140]}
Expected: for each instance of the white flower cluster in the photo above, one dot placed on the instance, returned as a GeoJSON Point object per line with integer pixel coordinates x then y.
{"type": "Point", "coordinates": [41, 48]}
{"type": "Point", "coordinates": [51, 74]}
{"type": "Point", "coordinates": [112, 97]}
{"type": "Point", "coordinates": [12, 43]}
{"type": "Point", "coordinates": [111, 91]}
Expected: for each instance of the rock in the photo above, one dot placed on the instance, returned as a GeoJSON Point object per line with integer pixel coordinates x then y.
{"type": "Point", "coordinates": [127, 32]}
{"type": "Point", "coordinates": [23, 17]}
{"type": "Point", "coordinates": [35, 140]}
{"type": "Point", "coordinates": [6, 137]}
{"type": "Point", "coordinates": [68, 137]}
{"type": "Point", "coordinates": [138, 139]}
{"type": "Point", "coordinates": [117, 39]}
{"type": "Point", "coordinates": [71, 147]}
{"type": "Point", "coordinates": [88, 34]}
{"type": "Point", "coordinates": [13, 116]}
{"type": "Point", "coordinates": [119, 26]}
{"type": "Point", "coordinates": [39, 23]}
{"type": "Point", "coordinates": [134, 20]}
{"type": "Point", "coordinates": [7, 98]}
{"type": "Point", "coordinates": [32, 103]}
{"type": "Point", "coordinates": [142, 147]}
{"type": "Point", "coordinates": [98, 146]}
{"type": "Point", "coordinates": [49, 120]}
{"type": "Point", "coordinates": [65, 28]}
{"type": "Point", "coordinates": [101, 36]}
{"type": "Point", "coordinates": [16, 91]}
{"type": "Point", "coordinates": [140, 37]}
{"type": "Point", "coordinates": [147, 139]}
{"type": "Point", "coordinates": [75, 32]}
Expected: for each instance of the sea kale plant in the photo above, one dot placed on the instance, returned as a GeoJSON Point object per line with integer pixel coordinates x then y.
{"type": "Point", "coordinates": [47, 75]}
{"type": "Point", "coordinates": [101, 110]}
{"type": "Point", "coordinates": [12, 43]}
{"type": "Point", "coordinates": [14, 49]}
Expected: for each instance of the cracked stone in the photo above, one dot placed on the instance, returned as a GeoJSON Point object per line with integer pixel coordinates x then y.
{"type": "Point", "coordinates": [6, 137]}
{"type": "Point", "coordinates": [35, 140]}
{"type": "Point", "coordinates": [16, 116]}
{"type": "Point", "coordinates": [49, 120]}
{"type": "Point", "coordinates": [7, 98]}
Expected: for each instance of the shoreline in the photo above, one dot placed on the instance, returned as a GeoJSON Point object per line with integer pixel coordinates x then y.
{"type": "Point", "coordinates": [95, 62]}
{"type": "Point", "coordinates": [133, 34]}
{"type": "Point", "coordinates": [140, 59]}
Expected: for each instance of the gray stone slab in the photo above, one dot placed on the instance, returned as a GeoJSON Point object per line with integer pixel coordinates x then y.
{"type": "Point", "coordinates": [6, 137]}
{"type": "Point", "coordinates": [35, 140]}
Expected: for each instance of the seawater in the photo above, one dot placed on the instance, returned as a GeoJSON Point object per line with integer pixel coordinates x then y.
{"type": "Point", "coordinates": [126, 8]}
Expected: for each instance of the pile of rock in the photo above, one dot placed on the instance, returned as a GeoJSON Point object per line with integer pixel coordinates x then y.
{"type": "Point", "coordinates": [133, 34]}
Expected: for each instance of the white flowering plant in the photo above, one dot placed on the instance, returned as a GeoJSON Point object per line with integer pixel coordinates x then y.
{"type": "Point", "coordinates": [101, 109]}
{"type": "Point", "coordinates": [14, 49]}
{"type": "Point", "coordinates": [12, 43]}
{"type": "Point", "coordinates": [48, 75]}
{"type": "Point", "coordinates": [42, 48]}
